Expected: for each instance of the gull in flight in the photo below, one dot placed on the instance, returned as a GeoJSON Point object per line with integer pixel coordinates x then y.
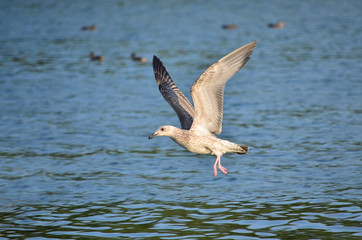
{"type": "Point", "coordinates": [201, 122]}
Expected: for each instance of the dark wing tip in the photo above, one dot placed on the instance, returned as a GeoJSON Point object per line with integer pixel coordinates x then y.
{"type": "Point", "coordinates": [161, 74]}
{"type": "Point", "coordinates": [155, 59]}
{"type": "Point", "coordinates": [155, 62]}
{"type": "Point", "coordinates": [157, 65]}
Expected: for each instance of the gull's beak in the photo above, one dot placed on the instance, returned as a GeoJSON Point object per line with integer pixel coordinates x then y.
{"type": "Point", "coordinates": [153, 135]}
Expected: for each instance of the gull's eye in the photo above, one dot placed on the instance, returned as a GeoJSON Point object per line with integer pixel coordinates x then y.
{"type": "Point", "coordinates": [162, 129]}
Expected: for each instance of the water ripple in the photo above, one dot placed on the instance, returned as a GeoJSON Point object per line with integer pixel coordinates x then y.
{"type": "Point", "coordinates": [75, 161]}
{"type": "Point", "coordinates": [130, 219]}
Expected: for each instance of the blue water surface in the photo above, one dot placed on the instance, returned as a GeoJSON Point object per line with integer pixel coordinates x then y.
{"type": "Point", "coordinates": [75, 161]}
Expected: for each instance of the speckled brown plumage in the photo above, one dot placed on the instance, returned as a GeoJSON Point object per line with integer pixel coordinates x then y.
{"type": "Point", "coordinates": [201, 122]}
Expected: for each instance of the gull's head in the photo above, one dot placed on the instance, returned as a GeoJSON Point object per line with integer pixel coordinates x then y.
{"type": "Point", "coordinates": [163, 131]}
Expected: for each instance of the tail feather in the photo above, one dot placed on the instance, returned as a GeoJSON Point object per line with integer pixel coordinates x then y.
{"type": "Point", "coordinates": [234, 148]}
{"type": "Point", "coordinates": [242, 149]}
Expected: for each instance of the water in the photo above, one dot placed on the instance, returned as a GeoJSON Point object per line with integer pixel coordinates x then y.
{"type": "Point", "coordinates": [75, 161]}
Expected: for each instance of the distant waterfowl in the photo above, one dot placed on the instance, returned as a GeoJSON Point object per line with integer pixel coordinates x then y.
{"type": "Point", "coordinates": [138, 59]}
{"type": "Point", "coordinates": [94, 57]}
{"type": "Point", "coordinates": [230, 26]}
{"type": "Point", "coordinates": [202, 121]}
{"type": "Point", "coordinates": [279, 24]}
{"type": "Point", "coordinates": [90, 28]}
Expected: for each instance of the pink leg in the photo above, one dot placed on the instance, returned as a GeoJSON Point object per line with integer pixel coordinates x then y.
{"type": "Point", "coordinates": [217, 162]}
{"type": "Point", "coordinates": [215, 170]}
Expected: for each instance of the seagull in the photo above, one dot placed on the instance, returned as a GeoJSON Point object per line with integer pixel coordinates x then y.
{"type": "Point", "coordinates": [200, 123]}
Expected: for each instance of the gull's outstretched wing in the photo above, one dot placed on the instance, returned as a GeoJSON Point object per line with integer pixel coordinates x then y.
{"type": "Point", "coordinates": [208, 90]}
{"type": "Point", "coordinates": [173, 95]}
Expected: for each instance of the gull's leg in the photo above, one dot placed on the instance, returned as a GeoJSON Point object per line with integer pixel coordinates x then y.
{"type": "Point", "coordinates": [224, 170]}
{"type": "Point", "coordinates": [217, 162]}
{"type": "Point", "coordinates": [215, 170]}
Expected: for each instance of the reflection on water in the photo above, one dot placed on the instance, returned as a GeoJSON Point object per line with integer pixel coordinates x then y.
{"type": "Point", "coordinates": [284, 219]}
{"type": "Point", "coordinates": [75, 161]}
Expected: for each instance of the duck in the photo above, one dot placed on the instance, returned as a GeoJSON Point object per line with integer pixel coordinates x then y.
{"type": "Point", "coordinates": [94, 57]}
{"type": "Point", "coordinates": [229, 26]}
{"type": "Point", "coordinates": [280, 24]}
{"type": "Point", "coordinates": [137, 58]}
{"type": "Point", "coordinates": [90, 28]}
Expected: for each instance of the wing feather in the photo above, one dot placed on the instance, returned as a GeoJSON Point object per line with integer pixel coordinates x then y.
{"type": "Point", "coordinates": [170, 92]}
{"type": "Point", "coordinates": [208, 90]}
